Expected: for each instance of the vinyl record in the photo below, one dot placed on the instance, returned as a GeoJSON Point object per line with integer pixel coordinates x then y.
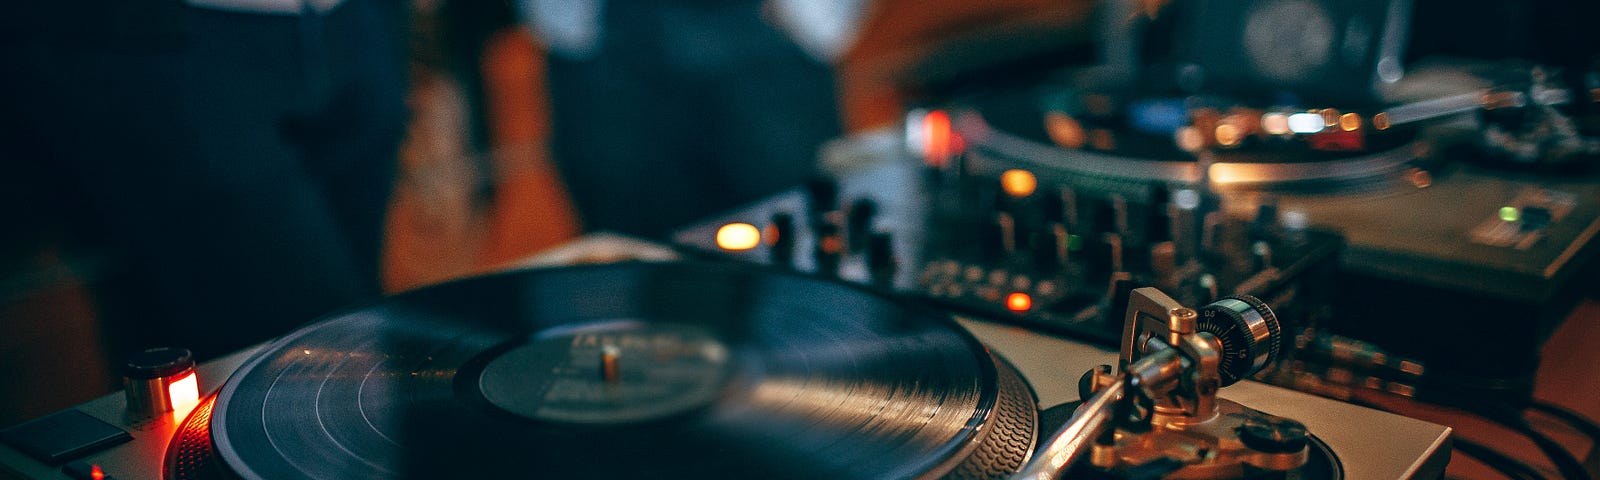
{"type": "Point", "coordinates": [626, 371]}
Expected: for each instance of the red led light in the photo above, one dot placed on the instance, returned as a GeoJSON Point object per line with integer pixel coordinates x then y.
{"type": "Point", "coordinates": [96, 473]}
{"type": "Point", "coordinates": [184, 393]}
{"type": "Point", "coordinates": [938, 141]}
{"type": "Point", "coordinates": [1019, 302]}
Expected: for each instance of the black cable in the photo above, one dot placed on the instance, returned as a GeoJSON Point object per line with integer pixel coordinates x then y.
{"type": "Point", "coordinates": [1510, 467]}
{"type": "Point", "coordinates": [1569, 465]}
{"type": "Point", "coordinates": [1565, 462]}
{"type": "Point", "coordinates": [1575, 419]}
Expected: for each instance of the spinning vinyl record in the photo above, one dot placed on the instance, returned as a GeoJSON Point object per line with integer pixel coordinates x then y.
{"type": "Point", "coordinates": [624, 371]}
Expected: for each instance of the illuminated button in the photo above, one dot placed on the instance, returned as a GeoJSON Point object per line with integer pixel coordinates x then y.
{"type": "Point", "coordinates": [1349, 122]}
{"type": "Point", "coordinates": [1229, 134]}
{"type": "Point", "coordinates": [1065, 130]}
{"type": "Point", "coordinates": [738, 236]}
{"type": "Point", "coordinates": [1018, 183]}
{"type": "Point", "coordinates": [1509, 214]}
{"type": "Point", "coordinates": [1305, 123]}
{"type": "Point", "coordinates": [1330, 117]}
{"type": "Point", "coordinates": [1275, 123]}
{"type": "Point", "coordinates": [938, 139]}
{"type": "Point", "coordinates": [1019, 302]}
{"type": "Point", "coordinates": [184, 392]}
{"type": "Point", "coordinates": [1189, 139]}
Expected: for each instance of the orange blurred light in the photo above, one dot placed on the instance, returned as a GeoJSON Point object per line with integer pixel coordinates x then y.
{"type": "Point", "coordinates": [95, 473]}
{"type": "Point", "coordinates": [1018, 183]}
{"type": "Point", "coordinates": [1381, 121]}
{"type": "Point", "coordinates": [1065, 130]}
{"type": "Point", "coordinates": [1019, 302]}
{"type": "Point", "coordinates": [1275, 123]}
{"type": "Point", "coordinates": [1229, 135]}
{"type": "Point", "coordinates": [1189, 139]}
{"type": "Point", "coordinates": [184, 393]}
{"type": "Point", "coordinates": [738, 236]}
{"type": "Point", "coordinates": [1330, 117]}
{"type": "Point", "coordinates": [1349, 122]}
{"type": "Point", "coordinates": [937, 139]}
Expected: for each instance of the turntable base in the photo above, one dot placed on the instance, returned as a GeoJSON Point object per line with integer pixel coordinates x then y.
{"type": "Point", "coordinates": [1371, 444]}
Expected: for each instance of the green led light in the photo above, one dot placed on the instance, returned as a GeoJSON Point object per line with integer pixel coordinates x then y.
{"type": "Point", "coordinates": [1074, 243]}
{"type": "Point", "coordinates": [1510, 214]}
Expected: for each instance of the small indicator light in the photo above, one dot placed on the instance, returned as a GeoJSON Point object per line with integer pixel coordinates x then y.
{"type": "Point", "coordinates": [1229, 135]}
{"type": "Point", "coordinates": [1349, 122]}
{"type": "Point", "coordinates": [1330, 116]}
{"type": "Point", "coordinates": [1065, 130]}
{"type": "Point", "coordinates": [1510, 214]}
{"type": "Point", "coordinates": [1381, 121]}
{"type": "Point", "coordinates": [95, 473]}
{"type": "Point", "coordinates": [1018, 183]}
{"type": "Point", "coordinates": [831, 244]}
{"type": "Point", "coordinates": [1275, 123]}
{"type": "Point", "coordinates": [1305, 123]}
{"type": "Point", "coordinates": [1019, 302]}
{"type": "Point", "coordinates": [938, 139]}
{"type": "Point", "coordinates": [738, 236]}
{"type": "Point", "coordinates": [1189, 139]}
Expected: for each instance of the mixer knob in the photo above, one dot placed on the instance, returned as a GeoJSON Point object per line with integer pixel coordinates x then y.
{"type": "Point", "coordinates": [1265, 226]}
{"type": "Point", "coordinates": [782, 239]}
{"type": "Point", "coordinates": [829, 248]}
{"type": "Point", "coordinates": [822, 196]}
{"type": "Point", "coordinates": [160, 380]}
{"type": "Point", "coordinates": [1185, 212]}
{"type": "Point", "coordinates": [1006, 233]}
{"type": "Point", "coordinates": [1069, 208]}
{"type": "Point", "coordinates": [1248, 333]}
{"type": "Point", "coordinates": [858, 224]}
{"type": "Point", "coordinates": [881, 264]}
{"type": "Point", "coordinates": [1052, 247]}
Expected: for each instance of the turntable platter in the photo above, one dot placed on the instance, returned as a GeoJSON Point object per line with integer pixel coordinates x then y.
{"type": "Point", "coordinates": [655, 370]}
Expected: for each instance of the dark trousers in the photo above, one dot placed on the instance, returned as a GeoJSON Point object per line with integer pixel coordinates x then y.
{"type": "Point", "coordinates": [688, 109]}
{"type": "Point", "coordinates": [237, 165]}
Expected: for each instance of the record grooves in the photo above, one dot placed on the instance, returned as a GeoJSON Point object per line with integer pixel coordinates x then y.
{"type": "Point", "coordinates": [656, 370]}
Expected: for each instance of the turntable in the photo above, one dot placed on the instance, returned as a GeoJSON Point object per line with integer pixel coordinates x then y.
{"type": "Point", "coordinates": [730, 371]}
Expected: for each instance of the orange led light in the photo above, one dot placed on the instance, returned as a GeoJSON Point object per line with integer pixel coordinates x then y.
{"type": "Point", "coordinates": [738, 236]}
{"type": "Point", "coordinates": [1018, 183]}
{"type": "Point", "coordinates": [1275, 123]}
{"type": "Point", "coordinates": [938, 142]}
{"type": "Point", "coordinates": [1019, 302]}
{"type": "Point", "coordinates": [1229, 134]}
{"type": "Point", "coordinates": [1065, 130]}
{"type": "Point", "coordinates": [184, 393]}
{"type": "Point", "coordinates": [1349, 122]}
{"type": "Point", "coordinates": [95, 473]}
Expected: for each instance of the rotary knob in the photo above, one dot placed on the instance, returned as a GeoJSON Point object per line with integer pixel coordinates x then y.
{"type": "Point", "coordinates": [1273, 434]}
{"type": "Point", "coordinates": [1248, 332]}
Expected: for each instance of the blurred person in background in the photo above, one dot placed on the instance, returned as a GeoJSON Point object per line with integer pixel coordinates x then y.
{"type": "Point", "coordinates": [234, 157]}
{"type": "Point", "coordinates": [666, 112]}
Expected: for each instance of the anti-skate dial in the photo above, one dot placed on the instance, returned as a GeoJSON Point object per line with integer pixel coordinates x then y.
{"type": "Point", "coordinates": [1248, 332]}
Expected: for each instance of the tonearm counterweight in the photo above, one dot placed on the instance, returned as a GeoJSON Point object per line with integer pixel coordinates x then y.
{"type": "Point", "coordinates": [1158, 415]}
